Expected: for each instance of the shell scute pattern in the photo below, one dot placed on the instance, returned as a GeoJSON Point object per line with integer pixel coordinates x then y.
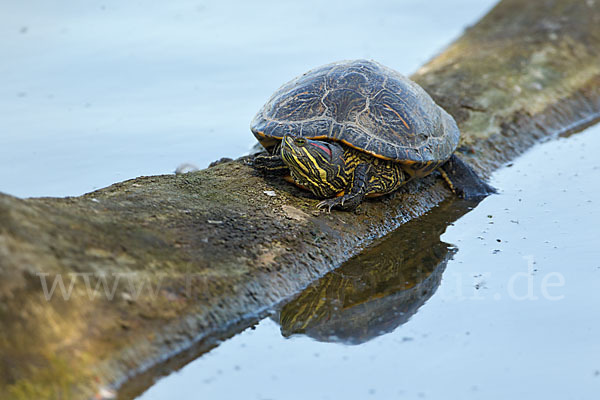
{"type": "Point", "coordinates": [366, 105]}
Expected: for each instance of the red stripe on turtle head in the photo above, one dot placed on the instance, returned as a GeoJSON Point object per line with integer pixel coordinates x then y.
{"type": "Point", "coordinates": [322, 147]}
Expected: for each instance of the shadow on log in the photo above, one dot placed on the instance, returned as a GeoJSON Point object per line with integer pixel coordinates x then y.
{"type": "Point", "coordinates": [97, 288]}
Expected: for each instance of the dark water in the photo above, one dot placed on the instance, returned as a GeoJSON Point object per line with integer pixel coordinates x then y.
{"type": "Point", "coordinates": [501, 302]}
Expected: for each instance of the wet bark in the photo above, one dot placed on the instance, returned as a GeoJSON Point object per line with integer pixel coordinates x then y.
{"type": "Point", "coordinates": [158, 263]}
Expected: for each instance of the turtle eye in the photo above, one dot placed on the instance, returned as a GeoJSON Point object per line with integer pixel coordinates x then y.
{"type": "Point", "coordinates": [300, 141]}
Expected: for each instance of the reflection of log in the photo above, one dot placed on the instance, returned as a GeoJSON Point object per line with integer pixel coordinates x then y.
{"type": "Point", "coordinates": [381, 288]}
{"type": "Point", "coordinates": [222, 250]}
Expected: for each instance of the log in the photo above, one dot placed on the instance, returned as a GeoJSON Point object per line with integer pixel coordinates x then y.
{"type": "Point", "coordinates": [179, 260]}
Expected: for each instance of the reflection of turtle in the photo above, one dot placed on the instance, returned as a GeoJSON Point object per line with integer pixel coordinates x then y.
{"type": "Point", "coordinates": [378, 290]}
{"type": "Point", "coordinates": [376, 130]}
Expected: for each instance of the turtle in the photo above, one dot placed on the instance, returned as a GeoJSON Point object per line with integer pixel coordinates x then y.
{"type": "Point", "coordinates": [355, 129]}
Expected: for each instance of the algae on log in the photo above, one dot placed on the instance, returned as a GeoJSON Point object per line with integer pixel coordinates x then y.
{"type": "Point", "coordinates": [156, 263]}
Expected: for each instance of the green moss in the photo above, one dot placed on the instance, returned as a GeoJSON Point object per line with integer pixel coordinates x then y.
{"type": "Point", "coordinates": [55, 381]}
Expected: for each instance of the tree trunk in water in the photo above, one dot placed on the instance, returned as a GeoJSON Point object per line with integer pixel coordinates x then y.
{"type": "Point", "coordinates": [97, 288]}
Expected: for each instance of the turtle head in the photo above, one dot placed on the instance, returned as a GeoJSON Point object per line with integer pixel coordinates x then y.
{"type": "Point", "coordinates": [316, 165]}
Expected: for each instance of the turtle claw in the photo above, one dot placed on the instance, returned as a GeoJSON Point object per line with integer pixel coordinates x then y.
{"type": "Point", "coordinates": [322, 205]}
{"type": "Point", "coordinates": [330, 203]}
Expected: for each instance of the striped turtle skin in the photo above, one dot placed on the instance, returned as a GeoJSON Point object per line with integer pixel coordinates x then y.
{"type": "Point", "coordinates": [363, 105]}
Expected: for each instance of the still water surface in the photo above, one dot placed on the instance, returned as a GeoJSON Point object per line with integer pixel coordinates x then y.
{"type": "Point", "coordinates": [505, 304]}
{"type": "Point", "coordinates": [95, 92]}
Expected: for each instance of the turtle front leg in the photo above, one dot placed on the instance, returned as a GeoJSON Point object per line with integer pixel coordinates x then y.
{"type": "Point", "coordinates": [358, 190]}
{"type": "Point", "coordinates": [271, 164]}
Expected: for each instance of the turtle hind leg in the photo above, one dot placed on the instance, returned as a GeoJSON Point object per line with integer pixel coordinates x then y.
{"type": "Point", "coordinates": [464, 181]}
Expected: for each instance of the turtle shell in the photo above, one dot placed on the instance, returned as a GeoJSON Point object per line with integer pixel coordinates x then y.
{"type": "Point", "coordinates": [362, 104]}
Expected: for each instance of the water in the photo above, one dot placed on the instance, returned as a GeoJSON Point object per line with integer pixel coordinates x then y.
{"type": "Point", "coordinates": [514, 315]}
{"type": "Point", "coordinates": [95, 92]}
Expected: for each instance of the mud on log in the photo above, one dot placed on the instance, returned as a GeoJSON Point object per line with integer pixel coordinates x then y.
{"type": "Point", "coordinates": [178, 258]}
